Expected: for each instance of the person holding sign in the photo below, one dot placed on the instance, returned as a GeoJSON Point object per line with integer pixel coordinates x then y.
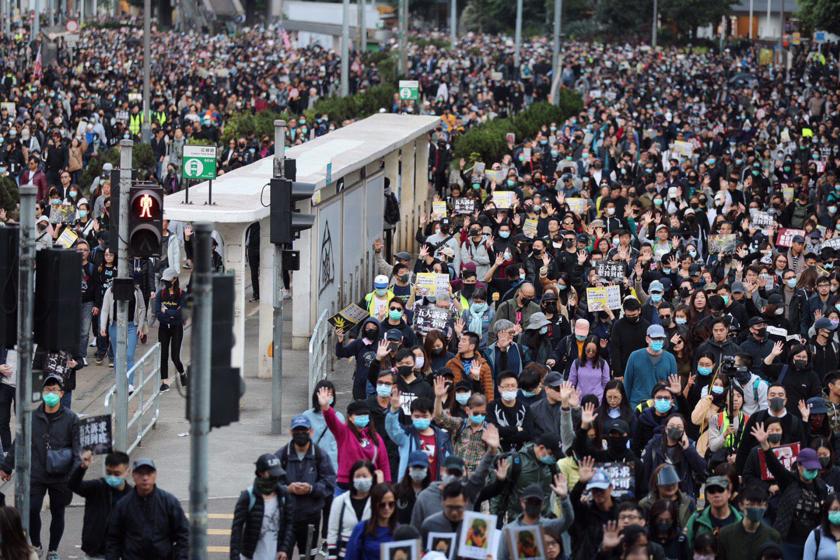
{"type": "Point", "coordinates": [100, 497]}
{"type": "Point", "coordinates": [531, 501]}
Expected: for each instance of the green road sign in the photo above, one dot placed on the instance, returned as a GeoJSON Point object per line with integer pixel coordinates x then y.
{"type": "Point", "coordinates": [409, 90]}
{"type": "Point", "coordinates": [199, 162]}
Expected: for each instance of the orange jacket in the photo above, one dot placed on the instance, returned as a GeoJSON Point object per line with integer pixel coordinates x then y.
{"type": "Point", "coordinates": [456, 366]}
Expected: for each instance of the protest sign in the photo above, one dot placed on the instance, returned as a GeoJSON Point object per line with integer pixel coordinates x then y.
{"type": "Point", "coordinates": [67, 238]}
{"type": "Point", "coordinates": [464, 205]}
{"type": "Point", "coordinates": [475, 540]}
{"type": "Point", "coordinates": [622, 476]}
{"type": "Point", "coordinates": [787, 194]}
{"type": "Point", "coordinates": [577, 205]}
{"type": "Point", "coordinates": [431, 318]}
{"type": "Point", "coordinates": [684, 149]}
{"type": "Point", "coordinates": [526, 154]}
{"type": "Point", "coordinates": [529, 228]}
{"type": "Point", "coordinates": [611, 270]}
{"type": "Point", "coordinates": [786, 235]}
{"type": "Point", "coordinates": [722, 243]}
{"type": "Point", "coordinates": [833, 243]}
{"type": "Point", "coordinates": [503, 199]}
{"type": "Point", "coordinates": [348, 317]}
{"type": "Point", "coordinates": [786, 454]}
{"type": "Point", "coordinates": [496, 176]}
{"type": "Point", "coordinates": [601, 298]}
{"type": "Point", "coordinates": [761, 219]}
{"type": "Point", "coordinates": [439, 209]}
{"type": "Point", "coordinates": [95, 434]}
{"type": "Point", "coordinates": [431, 283]}
{"type": "Point", "coordinates": [525, 542]}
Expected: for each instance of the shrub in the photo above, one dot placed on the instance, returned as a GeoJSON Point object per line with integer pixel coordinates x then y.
{"type": "Point", "coordinates": [142, 163]}
{"type": "Point", "coordinates": [9, 194]}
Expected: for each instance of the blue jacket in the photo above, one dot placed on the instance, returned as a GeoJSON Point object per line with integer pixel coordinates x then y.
{"type": "Point", "coordinates": [408, 440]}
{"type": "Point", "coordinates": [322, 436]}
{"type": "Point", "coordinates": [362, 546]}
{"type": "Point", "coordinates": [641, 374]}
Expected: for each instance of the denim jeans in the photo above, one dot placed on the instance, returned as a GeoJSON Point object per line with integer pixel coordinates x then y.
{"type": "Point", "coordinates": [131, 346]}
{"type": "Point", "coordinates": [84, 338]}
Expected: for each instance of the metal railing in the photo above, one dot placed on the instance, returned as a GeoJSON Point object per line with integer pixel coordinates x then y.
{"type": "Point", "coordinates": [319, 351]}
{"type": "Point", "coordinates": [145, 400]}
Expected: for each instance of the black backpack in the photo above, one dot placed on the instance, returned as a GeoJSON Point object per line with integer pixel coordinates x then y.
{"type": "Point", "coordinates": [392, 209]}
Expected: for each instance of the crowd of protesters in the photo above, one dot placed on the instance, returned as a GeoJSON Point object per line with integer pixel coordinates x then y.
{"type": "Point", "coordinates": [635, 348]}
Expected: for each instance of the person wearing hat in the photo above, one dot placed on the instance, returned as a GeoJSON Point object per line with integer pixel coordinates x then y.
{"type": "Point", "coordinates": [363, 349]}
{"type": "Point", "coordinates": [822, 302]}
{"type": "Point", "coordinates": [440, 239]}
{"type": "Point", "coordinates": [376, 302]}
{"type": "Point", "coordinates": [591, 516]}
{"type": "Point", "coordinates": [264, 515]}
{"type": "Point", "coordinates": [744, 540]}
{"type": "Point", "coordinates": [552, 413]}
{"type": "Point", "coordinates": [757, 344]}
{"type": "Point", "coordinates": [665, 485]}
{"type": "Point", "coordinates": [310, 479]}
{"type": "Point", "coordinates": [824, 350]}
{"type": "Point", "coordinates": [534, 464]}
{"type": "Point", "coordinates": [168, 307]}
{"type": "Point", "coordinates": [647, 366]}
{"type": "Point", "coordinates": [814, 414]}
{"type": "Point", "coordinates": [401, 284]}
{"type": "Point", "coordinates": [627, 336]}
{"type": "Point", "coordinates": [532, 504]}
{"type": "Point", "coordinates": [536, 343]}
{"type": "Point", "coordinates": [55, 453]}
{"type": "Point", "coordinates": [616, 435]}
{"type": "Point", "coordinates": [801, 493]}
{"type": "Point", "coordinates": [717, 514]}
{"type": "Point", "coordinates": [100, 496]}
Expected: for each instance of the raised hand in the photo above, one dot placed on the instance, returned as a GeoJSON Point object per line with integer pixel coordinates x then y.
{"type": "Point", "coordinates": [396, 401]}
{"type": "Point", "coordinates": [581, 256]}
{"type": "Point", "coordinates": [560, 486]}
{"type": "Point", "coordinates": [86, 458]}
{"type": "Point", "coordinates": [459, 326]}
{"type": "Point", "coordinates": [760, 435]}
{"type": "Point", "coordinates": [490, 436]}
{"type": "Point", "coordinates": [588, 415]}
{"type": "Point", "coordinates": [612, 538]}
{"type": "Point", "coordinates": [502, 468]}
{"type": "Point", "coordinates": [778, 348]}
{"type": "Point", "coordinates": [440, 387]}
{"type": "Point", "coordinates": [475, 371]}
{"type": "Point", "coordinates": [382, 350]}
{"type": "Point", "coordinates": [586, 469]}
{"type": "Point", "coordinates": [324, 396]}
{"type": "Point", "coordinates": [566, 389]}
{"type": "Point", "coordinates": [378, 245]}
{"type": "Point", "coordinates": [804, 410]}
{"type": "Point", "coordinates": [674, 383]}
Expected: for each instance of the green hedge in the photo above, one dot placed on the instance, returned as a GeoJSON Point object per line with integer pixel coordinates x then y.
{"type": "Point", "coordinates": [9, 194]}
{"type": "Point", "coordinates": [142, 163]}
{"type": "Point", "coordinates": [487, 142]}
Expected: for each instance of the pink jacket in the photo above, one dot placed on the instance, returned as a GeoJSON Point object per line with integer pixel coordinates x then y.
{"type": "Point", "coordinates": [350, 449]}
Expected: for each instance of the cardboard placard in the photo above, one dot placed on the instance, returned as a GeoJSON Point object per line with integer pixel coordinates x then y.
{"type": "Point", "coordinates": [444, 543]}
{"type": "Point", "coordinates": [503, 199]}
{"type": "Point", "coordinates": [67, 238]}
{"type": "Point", "coordinates": [833, 243]}
{"type": "Point", "coordinates": [525, 542]}
{"type": "Point", "coordinates": [526, 154]}
{"type": "Point", "coordinates": [601, 298]}
{"type": "Point", "coordinates": [348, 317]}
{"type": "Point", "coordinates": [761, 219]}
{"type": "Point", "coordinates": [476, 539]}
{"type": "Point", "coordinates": [431, 318]}
{"type": "Point", "coordinates": [623, 477]}
{"type": "Point", "coordinates": [431, 283]}
{"type": "Point", "coordinates": [439, 209]}
{"type": "Point", "coordinates": [611, 269]}
{"type": "Point", "coordinates": [577, 205]}
{"type": "Point", "coordinates": [786, 235]}
{"type": "Point", "coordinates": [786, 454]}
{"type": "Point", "coordinates": [464, 205]}
{"type": "Point", "coordinates": [529, 228]}
{"type": "Point", "coordinates": [722, 243]}
{"type": "Point", "coordinates": [496, 176]}
{"type": "Point", "coordinates": [682, 148]}
{"type": "Point", "coordinates": [95, 434]}
{"type": "Point", "coordinates": [787, 194]}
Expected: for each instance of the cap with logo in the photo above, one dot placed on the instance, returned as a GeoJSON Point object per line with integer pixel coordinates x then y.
{"type": "Point", "coordinates": [271, 464]}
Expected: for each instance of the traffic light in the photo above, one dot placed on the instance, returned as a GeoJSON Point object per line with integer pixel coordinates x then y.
{"type": "Point", "coordinates": [58, 300]}
{"type": "Point", "coordinates": [8, 285]}
{"type": "Point", "coordinates": [225, 382]}
{"type": "Point", "coordinates": [145, 220]}
{"type": "Point", "coordinates": [286, 221]}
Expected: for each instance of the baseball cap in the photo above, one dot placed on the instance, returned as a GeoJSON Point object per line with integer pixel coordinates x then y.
{"type": "Point", "coordinates": [393, 334]}
{"type": "Point", "coordinates": [738, 288]}
{"type": "Point", "coordinates": [656, 287]}
{"type": "Point", "coordinates": [381, 281]}
{"type": "Point", "coordinates": [823, 323]}
{"type": "Point", "coordinates": [667, 476]}
{"type": "Point", "coordinates": [43, 219]}
{"type": "Point", "coordinates": [799, 239]}
{"type": "Point", "coordinates": [552, 443]}
{"type": "Point", "coordinates": [656, 331]}
{"type": "Point", "coordinates": [270, 463]}
{"type": "Point", "coordinates": [144, 462]}
{"type": "Point", "coordinates": [756, 320]}
{"type": "Point", "coordinates": [718, 481]}
{"type": "Point", "coordinates": [599, 480]}
{"type": "Point", "coordinates": [107, 166]}
{"type": "Point", "coordinates": [168, 275]}
{"type": "Point", "coordinates": [418, 459]}
{"type": "Point", "coordinates": [454, 462]}
{"type": "Point", "coordinates": [403, 256]}
{"type": "Point", "coordinates": [817, 405]}
{"type": "Point", "coordinates": [301, 421]}
{"type": "Point", "coordinates": [616, 425]}
{"type": "Point", "coordinates": [533, 491]}
{"type": "Point", "coordinates": [553, 379]}
{"type": "Point", "coordinates": [808, 458]}
{"type": "Point", "coordinates": [53, 380]}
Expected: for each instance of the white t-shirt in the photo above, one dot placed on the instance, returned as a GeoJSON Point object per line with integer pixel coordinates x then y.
{"type": "Point", "coordinates": [267, 545]}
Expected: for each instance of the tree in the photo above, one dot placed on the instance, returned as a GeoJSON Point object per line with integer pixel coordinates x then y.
{"type": "Point", "coordinates": [823, 15]}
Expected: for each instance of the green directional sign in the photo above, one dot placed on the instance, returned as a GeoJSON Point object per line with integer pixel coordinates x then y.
{"type": "Point", "coordinates": [199, 162]}
{"type": "Point", "coordinates": [409, 90]}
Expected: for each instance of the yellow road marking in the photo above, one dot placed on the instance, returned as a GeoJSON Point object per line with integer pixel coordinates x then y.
{"type": "Point", "coordinates": [218, 531]}
{"type": "Point", "coordinates": [222, 549]}
{"type": "Point", "coordinates": [219, 516]}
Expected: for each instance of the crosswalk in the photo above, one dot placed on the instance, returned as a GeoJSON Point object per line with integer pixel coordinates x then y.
{"type": "Point", "coordinates": [218, 532]}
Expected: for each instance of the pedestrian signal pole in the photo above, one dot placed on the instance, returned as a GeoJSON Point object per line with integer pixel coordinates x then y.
{"type": "Point", "coordinates": [277, 283]}
{"type": "Point", "coordinates": [123, 272]}
{"type": "Point", "coordinates": [517, 35]}
{"type": "Point", "coordinates": [26, 306]}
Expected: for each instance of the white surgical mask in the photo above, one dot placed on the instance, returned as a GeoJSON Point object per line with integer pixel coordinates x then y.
{"type": "Point", "coordinates": [419, 362]}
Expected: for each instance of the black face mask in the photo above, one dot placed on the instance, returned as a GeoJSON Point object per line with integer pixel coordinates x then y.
{"type": "Point", "coordinates": [675, 434]}
{"type": "Point", "coordinates": [825, 462]}
{"type": "Point", "coordinates": [533, 508]}
{"type": "Point", "coordinates": [774, 438]}
{"type": "Point", "coordinates": [800, 365]}
{"type": "Point", "coordinates": [567, 243]}
{"type": "Point", "coordinates": [617, 443]}
{"type": "Point", "coordinates": [300, 439]}
{"type": "Point", "coordinates": [760, 333]}
{"type": "Point", "coordinates": [662, 527]}
{"type": "Point", "coordinates": [405, 371]}
{"type": "Point", "coordinates": [371, 334]}
{"type": "Point", "coordinates": [777, 404]}
{"type": "Point", "coordinates": [633, 319]}
{"type": "Point", "coordinates": [526, 301]}
{"type": "Point", "coordinates": [265, 486]}
{"type": "Point", "coordinates": [467, 290]}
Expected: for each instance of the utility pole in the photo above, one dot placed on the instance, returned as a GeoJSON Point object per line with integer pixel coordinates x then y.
{"type": "Point", "coordinates": [362, 24]}
{"type": "Point", "coordinates": [555, 53]}
{"type": "Point", "coordinates": [277, 350]}
{"type": "Point", "coordinates": [121, 354]}
{"type": "Point", "coordinates": [7, 18]}
{"type": "Point", "coordinates": [26, 306]}
{"type": "Point", "coordinates": [768, 19]}
{"type": "Point", "coordinates": [518, 34]}
{"type": "Point", "coordinates": [751, 21]}
{"type": "Point", "coordinates": [146, 128]}
{"type": "Point", "coordinates": [345, 48]}
{"type": "Point", "coordinates": [654, 25]}
{"type": "Point", "coordinates": [453, 22]}
{"type": "Point", "coordinates": [402, 27]}
{"type": "Point", "coordinates": [81, 12]}
{"type": "Point", "coordinates": [200, 389]}
{"type": "Point", "coordinates": [36, 22]}
{"type": "Point", "coordinates": [781, 34]}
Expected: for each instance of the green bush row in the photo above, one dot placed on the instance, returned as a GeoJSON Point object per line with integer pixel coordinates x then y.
{"type": "Point", "coordinates": [142, 163]}
{"type": "Point", "coordinates": [486, 142]}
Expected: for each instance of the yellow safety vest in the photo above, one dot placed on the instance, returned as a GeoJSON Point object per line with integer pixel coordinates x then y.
{"type": "Point", "coordinates": [160, 117]}
{"type": "Point", "coordinates": [370, 300]}
{"type": "Point", "coordinates": [134, 123]}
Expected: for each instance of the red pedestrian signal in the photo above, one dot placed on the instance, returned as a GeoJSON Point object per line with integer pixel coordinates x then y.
{"type": "Point", "coordinates": [145, 220]}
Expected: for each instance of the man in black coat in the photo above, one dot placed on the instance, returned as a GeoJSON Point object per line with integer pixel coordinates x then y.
{"type": "Point", "coordinates": [627, 336]}
{"type": "Point", "coordinates": [147, 522]}
{"type": "Point", "coordinates": [267, 493]}
{"type": "Point", "coordinates": [101, 495]}
{"type": "Point", "coordinates": [55, 452]}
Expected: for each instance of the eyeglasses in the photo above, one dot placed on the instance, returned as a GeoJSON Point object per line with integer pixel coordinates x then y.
{"type": "Point", "coordinates": [389, 505]}
{"type": "Point", "coordinates": [396, 308]}
{"type": "Point", "coordinates": [629, 517]}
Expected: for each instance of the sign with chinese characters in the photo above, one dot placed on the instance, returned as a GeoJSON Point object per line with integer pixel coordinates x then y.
{"type": "Point", "coordinates": [199, 162]}
{"type": "Point", "coordinates": [95, 434]}
{"type": "Point", "coordinates": [431, 318]}
{"type": "Point", "coordinates": [348, 317]}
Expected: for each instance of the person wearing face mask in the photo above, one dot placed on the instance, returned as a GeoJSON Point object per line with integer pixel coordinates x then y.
{"type": "Point", "coordinates": [650, 300]}
{"type": "Point", "coordinates": [263, 516]}
{"type": "Point", "coordinates": [744, 540]}
{"type": "Point", "coordinates": [467, 434]}
{"type": "Point", "coordinates": [376, 302]}
{"type": "Point", "coordinates": [357, 439]}
{"type": "Point", "coordinates": [532, 502]}
{"type": "Point", "coordinates": [100, 497]}
{"type": "Point", "coordinates": [363, 349]}
{"type": "Point", "coordinates": [535, 341]}
{"type": "Point", "coordinates": [509, 414]}
{"type": "Point", "coordinates": [420, 434]}
{"type": "Point", "coordinates": [673, 446]}
{"type": "Point", "coordinates": [797, 377]}
{"type": "Point", "coordinates": [792, 427]}
{"type": "Point", "coordinates": [518, 310]}
{"type": "Point", "coordinates": [475, 250]}
{"type": "Point", "coordinates": [534, 464]}
{"type": "Point", "coordinates": [478, 315]}
{"type": "Point", "coordinates": [647, 366]}
{"type": "Point", "coordinates": [349, 509]}
{"type": "Point", "coordinates": [310, 479]}
{"type": "Point", "coordinates": [396, 319]}
{"type": "Point", "coordinates": [627, 336]}
{"type": "Point", "coordinates": [801, 495]}
{"type": "Point", "coordinates": [757, 344]}
{"type": "Point", "coordinates": [55, 430]}
{"type": "Point", "coordinates": [825, 351]}
{"type": "Point", "coordinates": [822, 542]}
